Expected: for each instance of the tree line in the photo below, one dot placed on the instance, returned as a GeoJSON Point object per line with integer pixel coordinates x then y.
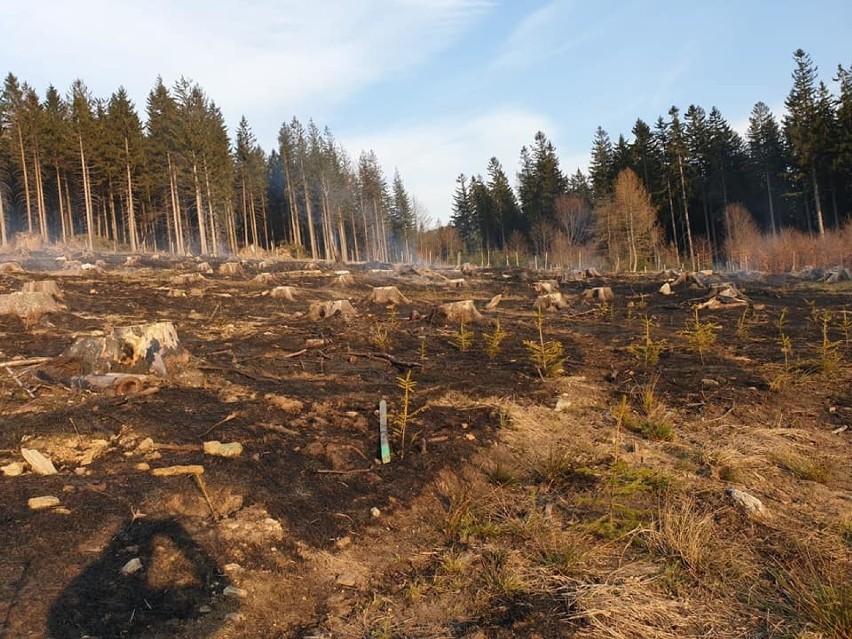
{"type": "Point", "coordinates": [683, 185]}
{"type": "Point", "coordinates": [80, 167]}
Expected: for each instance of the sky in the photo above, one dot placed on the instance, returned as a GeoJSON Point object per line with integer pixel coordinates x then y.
{"type": "Point", "coordinates": [434, 87]}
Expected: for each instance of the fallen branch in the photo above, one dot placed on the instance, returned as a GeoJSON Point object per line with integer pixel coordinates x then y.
{"type": "Point", "coordinates": [19, 383]}
{"type": "Point", "coordinates": [32, 361]}
{"type": "Point", "coordinates": [390, 358]}
{"type": "Point", "coordinates": [329, 471]}
{"type": "Point", "coordinates": [240, 371]}
{"type": "Point", "coordinates": [233, 415]}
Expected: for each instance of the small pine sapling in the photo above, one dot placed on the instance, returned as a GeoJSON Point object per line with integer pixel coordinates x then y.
{"type": "Point", "coordinates": [493, 340]}
{"type": "Point", "coordinates": [463, 339]}
{"type": "Point", "coordinates": [699, 335]}
{"type": "Point", "coordinates": [648, 350]}
{"type": "Point", "coordinates": [546, 356]}
{"type": "Point", "coordinates": [405, 414]}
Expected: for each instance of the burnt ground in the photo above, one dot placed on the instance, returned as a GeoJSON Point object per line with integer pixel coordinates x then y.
{"type": "Point", "coordinates": [295, 530]}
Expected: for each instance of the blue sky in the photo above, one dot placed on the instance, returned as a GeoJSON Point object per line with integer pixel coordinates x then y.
{"type": "Point", "coordinates": [435, 87]}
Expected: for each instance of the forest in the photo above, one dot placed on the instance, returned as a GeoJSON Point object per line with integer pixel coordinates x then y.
{"type": "Point", "coordinates": [688, 187]}
{"type": "Point", "coordinates": [77, 168]}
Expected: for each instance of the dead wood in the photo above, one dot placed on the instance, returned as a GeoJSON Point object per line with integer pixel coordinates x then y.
{"type": "Point", "coordinates": [28, 306]}
{"type": "Point", "coordinates": [284, 292]}
{"type": "Point", "coordinates": [387, 295]}
{"type": "Point", "coordinates": [546, 287]}
{"type": "Point", "coordinates": [495, 301]}
{"type": "Point", "coordinates": [462, 311]}
{"type": "Point", "coordinates": [599, 293]}
{"type": "Point", "coordinates": [551, 302]}
{"type": "Point", "coordinates": [134, 349]}
{"type": "Point", "coordinates": [325, 310]}
{"type": "Point", "coordinates": [175, 471]}
{"type": "Point", "coordinates": [43, 286]}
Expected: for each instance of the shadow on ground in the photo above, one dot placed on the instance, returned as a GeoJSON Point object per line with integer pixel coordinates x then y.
{"type": "Point", "coordinates": [176, 578]}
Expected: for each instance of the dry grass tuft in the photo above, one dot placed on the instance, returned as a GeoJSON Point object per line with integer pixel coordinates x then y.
{"type": "Point", "coordinates": [684, 534]}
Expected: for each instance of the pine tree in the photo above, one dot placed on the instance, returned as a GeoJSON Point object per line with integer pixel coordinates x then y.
{"type": "Point", "coordinates": [463, 216]}
{"type": "Point", "coordinates": [767, 155]}
{"type": "Point", "coordinates": [601, 165]}
{"type": "Point", "coordinates": [801, 126]}
{"type": "Point", "coordinates": [506, 212]}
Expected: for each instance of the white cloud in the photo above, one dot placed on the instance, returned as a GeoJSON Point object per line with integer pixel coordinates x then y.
{"type": "Point", "coordinates": [430, 156]}
{"type": "Point", "coordinates": [253, 55]}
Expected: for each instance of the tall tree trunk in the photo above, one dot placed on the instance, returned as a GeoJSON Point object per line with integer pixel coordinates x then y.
{"type": "Point", "coordinates": [309, 212]}
{"type": "Point", "coordinates": [3, 237]}
{"type": "Point", "coordinates": [68, 208]}
{"type": "Point", "coordinates": [113, 218]}
{"type": "Point", "coordinates": [295, 229]}
{"type": "Point", "coordinates": [817, 203]}
{"type": "Point", "coordinates": [341, 233]}
{"type": "Point", "coordinates": [771, 203]}
{"type": "Point", "coordinates": [131, 213]}
{"type": "Point", "coordinates": [214, 226]}
{"type": "Point", "coordinates": [40, 203]}
{"type": "Point", "coordinates": [686, 212]}
{"type": "Point", "coordinates": [26, 180]}
{"type": "Point", "coordinates": [178, 226]}
{"type": "Point", "coordinates": [87, 196]}
{"type": "Point", "coordinates": [62, 223]}
{"type": "Point", "coordinates": [674, 217]}
{"type": "Point", "coordinates": [199, 206]}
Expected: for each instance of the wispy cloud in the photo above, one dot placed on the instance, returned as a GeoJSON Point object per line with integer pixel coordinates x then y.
{"type": "Point", "coordinates": [550, 30]}
{"type": "Point", "coordinates": [289, 54]}
{"type": "Point", "coordinates": [430, 156]}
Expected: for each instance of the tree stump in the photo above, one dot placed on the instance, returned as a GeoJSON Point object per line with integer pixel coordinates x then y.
{"type": "Point", "coordinates": [551, 302]}
{"type": "Point", "coordinates": [10, 267]}
{"type": "Point", "coordinates": [187, 278]}
{"type": "Point", "coordinates": [231, 269]}
{"type": "Point", "coordinates": [593, 272]}
{"type": "Point", "coordinates": [28, 306]}
{"type": "Point", "coordinates": [325, 310]}
{"type": "Point", "coordinates": [43, 286]}
{"type": "Point", "coordinates": [546, 287]}
{"type": "Point", "coordinates": [599, 293]}
{"type": "Point", "coordinates": [203, 267]}
{"type": "Point", "coordinates": [129, 349]}
{"type": "Point", "coordinates": [343, 280]}
{"type": "Point", "coordinates": [263, 279]}
{"type": "Point", "coordinates": [284, 292]}
{"type": "Point", "coordinates": [463, 311]}
{"type": "Point", "coordinates": [387, 295]}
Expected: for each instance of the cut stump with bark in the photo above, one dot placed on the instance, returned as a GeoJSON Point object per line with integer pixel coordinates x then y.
{"type": "Point", "coordinates": [43, 286]}
{"type": "Point", "coordinates": [325, 310]}
{"type": "Point", "coordinates": [231, 269]}
{"type": "Point", "coordinates": [546, 287]}
{"type": "Point", "coordinates": [387, 295]}
{"type": "Point", "coordinates": [135, 349]}
{"type": "Point", "coordinates": [462, 311]}
{"type": "Point", "coordinates": [343, 280]}
{"type": "Point", "coordinates": [284, 292]}
{"type": "Point", "coordinates": [28, 306]}
{"type": "Point", "coordinates": [599, 293]}
{"type": "Point", "coordinates": [551, 302]}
